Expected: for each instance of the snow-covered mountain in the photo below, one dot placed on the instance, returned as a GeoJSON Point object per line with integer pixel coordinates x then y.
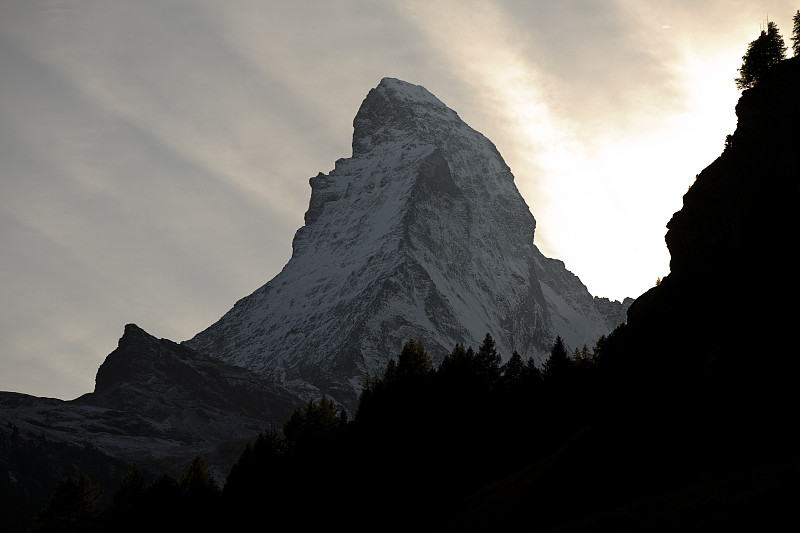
{"type": "Point", "coordinates": [421, 233]}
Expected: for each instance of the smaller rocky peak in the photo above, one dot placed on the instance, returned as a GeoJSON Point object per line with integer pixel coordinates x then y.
{"type": "Point", "coordinates": [395, 110]}
{"type": "Point", "coordinates": [123, 362]}
{"type": "Point", "coordinates": [134, 334]}
{"type": "Point", "coordinates": [139, 356]}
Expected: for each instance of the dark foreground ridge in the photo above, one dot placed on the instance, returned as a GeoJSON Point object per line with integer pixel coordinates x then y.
{"type": "Point", "coordinates": [697, 429]}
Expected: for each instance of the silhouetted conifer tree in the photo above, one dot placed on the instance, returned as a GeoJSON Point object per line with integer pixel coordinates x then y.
{"type": "Point", "coordinates": [259, 461]}
{"type": "Point", "coordinates": [126, 511]}
{"type": "Point", "coordinates": [367, 384]}
{"type": "Point", "coordinates": [312, 425]}
{"type": "Point", "coordinates": [451, 361]}
{"type": "Point", "coordinates": [458, 384]}
{"type": "Point", "coordinates": [531, 373]}
{"type": "Point", "coordinates": [517, 388]}
{"type": "Point", "coordinates": [762, 54]}
{"type": "Point", "coordinates": [257, 482]}
{"type": "Point", "coordinates": [796, 34]}
{"type": "Point", "coordinates": [459, 367]}
{"type": "Point", "coordinates": [597, 351]}
{"type": "Point", "coordinates": [514, 368]}
{"type": "Point", "coordinates": [196, 480]}
{"type": "Point", "coordinates": [558, 366]}
{"type": "Point", "coordinates": [390, 372]}
{"type": "Point", "coordinates": [488, 360]}
{"type": "Point", "coordinates": [582, 358]}
{"type": "Point", "coordinates": [198, 496]}
{"type": "Point", "coordinates": [131, 489]}
{"type": "Point", "coordinates": [414, 360]}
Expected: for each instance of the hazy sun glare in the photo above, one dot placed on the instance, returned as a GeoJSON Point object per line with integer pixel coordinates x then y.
{"type": "Point", "coordinates": [602, 174]}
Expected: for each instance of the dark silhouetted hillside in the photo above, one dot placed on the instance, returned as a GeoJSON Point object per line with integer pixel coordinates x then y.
{"type": "Point", "coordinates": [700, 386]}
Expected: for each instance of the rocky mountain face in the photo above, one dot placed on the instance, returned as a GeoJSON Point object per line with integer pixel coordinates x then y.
{"type": "Point", "coordinates": [158, 404]}
{"type": "Point", "coordinates": [421, 233]}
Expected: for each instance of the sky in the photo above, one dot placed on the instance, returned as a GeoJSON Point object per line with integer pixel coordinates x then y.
{"type": "Point", "coordinates": [155, 155]}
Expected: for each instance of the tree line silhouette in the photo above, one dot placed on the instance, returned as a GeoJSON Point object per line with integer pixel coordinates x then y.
{"type": "Point", "coordinates": [421, 439]}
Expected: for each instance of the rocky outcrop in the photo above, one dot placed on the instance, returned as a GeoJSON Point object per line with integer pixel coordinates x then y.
{"type": "Point", "coordinates": [160, 379]}
{"type": "Point", "coordinates": [731, 243]}
{"type": "Point", "coordinates": [159, 404]}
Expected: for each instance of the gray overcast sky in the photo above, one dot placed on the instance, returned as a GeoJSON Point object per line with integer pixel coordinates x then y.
{"type": "Point", "coordinates": [155, 155]}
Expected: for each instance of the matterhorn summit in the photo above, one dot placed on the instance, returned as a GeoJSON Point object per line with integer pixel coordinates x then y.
{"type": "Point", "coordinates": [420, 233]}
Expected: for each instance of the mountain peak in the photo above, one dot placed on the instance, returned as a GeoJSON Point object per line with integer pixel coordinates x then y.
{"type": "Point", "coordinates": [409, 92]}
{"type": "Point", "coordinates": [401, 111]}
{"type": "Point", "coordinates": [421, 233]}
